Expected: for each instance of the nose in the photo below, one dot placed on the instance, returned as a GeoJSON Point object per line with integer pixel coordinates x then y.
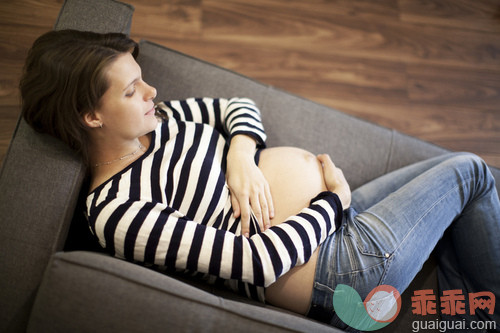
{"type": "Point", "coordinates": [150, 92]}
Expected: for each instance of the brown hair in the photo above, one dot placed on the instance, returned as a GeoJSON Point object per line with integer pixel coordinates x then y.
{"type": "Point", "coordinates": [65, 77]}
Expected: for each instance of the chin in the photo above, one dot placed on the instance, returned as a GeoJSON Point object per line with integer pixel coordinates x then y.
{"type": "Point", "coordinates": [152, 123]}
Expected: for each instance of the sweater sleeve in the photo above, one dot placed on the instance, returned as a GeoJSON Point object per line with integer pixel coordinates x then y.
{"type": "Point", "coordinates": [228, 116]}
{"type": "Point", "coordinates": [156, 234]}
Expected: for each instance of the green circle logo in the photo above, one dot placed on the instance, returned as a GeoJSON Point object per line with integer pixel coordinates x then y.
{"type": "Point", "coordinates": [380, 308]}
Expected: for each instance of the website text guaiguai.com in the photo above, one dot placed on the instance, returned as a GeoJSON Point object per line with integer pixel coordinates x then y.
{"type": "Point", "coordinates": [452, 303]}
{"type": "Point", "coordinates": [443, 326]}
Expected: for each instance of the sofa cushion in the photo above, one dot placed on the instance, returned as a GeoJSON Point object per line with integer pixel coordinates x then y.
{"type": "Point", "coordinates": [89, 292]}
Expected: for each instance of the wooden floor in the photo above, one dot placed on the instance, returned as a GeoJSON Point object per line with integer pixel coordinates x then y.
{"type": "Point", "coordinates": [428, 68]}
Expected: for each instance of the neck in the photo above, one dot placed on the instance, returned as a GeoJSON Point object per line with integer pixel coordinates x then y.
{"type": "Point", "coordinates": [107, 153]}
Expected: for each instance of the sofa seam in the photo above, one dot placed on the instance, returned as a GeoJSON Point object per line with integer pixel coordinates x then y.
{"type": "Point", "coordinates": [9, 149]}
{"type": "Point", "coordinates": [391, 151]}
{"type": "Point", "coordinates": [54, 27]}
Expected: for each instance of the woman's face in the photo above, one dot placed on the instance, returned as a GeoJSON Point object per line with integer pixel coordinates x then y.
{"type": "Point", "coordinates": [126, 109]}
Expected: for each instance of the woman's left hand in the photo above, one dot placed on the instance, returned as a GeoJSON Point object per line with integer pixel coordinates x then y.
{"type": "Point", "coordinates": [250, 191]}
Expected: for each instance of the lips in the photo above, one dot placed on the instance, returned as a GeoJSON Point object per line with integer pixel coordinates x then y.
{"type": "Point", "coordinates": [151, 112]}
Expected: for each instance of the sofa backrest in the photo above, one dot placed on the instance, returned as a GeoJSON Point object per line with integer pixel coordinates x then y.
{"type": "Point", "coordinates": [40, 182]}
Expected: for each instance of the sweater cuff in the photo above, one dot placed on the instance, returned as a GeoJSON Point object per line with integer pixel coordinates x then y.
{"type": "Point", "coordinates": [260, 139]}
{"type": "Point", "coordinates": [336, 204]}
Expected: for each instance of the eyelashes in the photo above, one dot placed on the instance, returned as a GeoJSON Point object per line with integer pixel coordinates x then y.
{"type": "Point", "coordinates": [130, 94]}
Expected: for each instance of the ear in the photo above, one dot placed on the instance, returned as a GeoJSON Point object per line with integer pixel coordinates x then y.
{"type": "Point", "coordinates": [92, 119]}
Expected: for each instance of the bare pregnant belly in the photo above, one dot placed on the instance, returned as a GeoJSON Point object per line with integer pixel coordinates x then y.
{"type": "Point", "coordinates": [295, 177]}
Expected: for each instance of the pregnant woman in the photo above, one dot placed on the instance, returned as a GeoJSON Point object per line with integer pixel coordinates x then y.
{"type": "Point", "coordinates": [189, 186]}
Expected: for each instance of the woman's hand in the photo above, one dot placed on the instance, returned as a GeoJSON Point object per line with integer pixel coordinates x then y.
{"type": "Point", "coordinates": [335, 180]}
{"type": "Point", "coordinates": [249, 188]}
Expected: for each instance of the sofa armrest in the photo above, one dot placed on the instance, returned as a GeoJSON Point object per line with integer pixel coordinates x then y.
{"type": "Point", "coordinates": [89, 292]}
{"type": "Point", "coordinates": [40, 181]}
{"type": "Point", "coordinates": [95, 15]}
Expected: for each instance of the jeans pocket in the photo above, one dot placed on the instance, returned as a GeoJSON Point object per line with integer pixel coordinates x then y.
{"type": "Point", "coordinates": [370, 247]}
{"type": "Point", "coordinates": [367, 272]}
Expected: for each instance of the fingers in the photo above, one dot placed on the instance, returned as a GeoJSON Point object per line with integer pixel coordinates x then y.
{"type": "Point", "coordinates": [257, 210]}
{"type": "Point", "coordinates": [326, 161]}
{"type": "Point", "coordinates": [245, 218]}
{"type": "Point", "coordinates": [263, 208]}
{"type": "Point", "coordinates": [259, 204]}
{"type": "Point", "coordinates": [236, 206]}
{"type": "Point", "coordinates": [330, 171]}
{"type": "Point", "coordinates": [335, 180]}
{"type": "Point", "coordinates": [270, 204]}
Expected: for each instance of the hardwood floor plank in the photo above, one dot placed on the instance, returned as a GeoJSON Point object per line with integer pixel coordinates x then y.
{"type": "Point", "coordinates": [34, 13]}
{"type": "Point", "coordinates": [166, 19]}
{"type": "Point", "coordinates": [452, 127]}
{"type": "Point", "coordinates": [329, 32]}
{"type": "Point", "coordinates": [481, 15]}
{"type": "Point", "coordinates": [21, 22]}
{"type": "Point", "coordinates": [454, 86]}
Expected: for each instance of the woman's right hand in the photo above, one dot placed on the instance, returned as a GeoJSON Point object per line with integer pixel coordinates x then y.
{"type": "Point", "coordinates": [335, 180]}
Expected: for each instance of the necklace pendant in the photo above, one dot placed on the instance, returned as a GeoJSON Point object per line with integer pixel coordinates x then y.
{"type": "Point", "coordinates": [120, 158]}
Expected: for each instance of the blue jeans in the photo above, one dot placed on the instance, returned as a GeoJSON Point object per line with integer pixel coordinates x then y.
{"type": "Point", "coordinates": [448, 203]}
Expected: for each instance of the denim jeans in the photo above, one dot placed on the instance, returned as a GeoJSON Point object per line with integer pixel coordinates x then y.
{"type": "Point", "coordinates": [448, 203]}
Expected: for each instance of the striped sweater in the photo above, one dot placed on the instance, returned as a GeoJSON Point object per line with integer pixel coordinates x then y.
{"type": "Point", "coordinates": [172, 208]}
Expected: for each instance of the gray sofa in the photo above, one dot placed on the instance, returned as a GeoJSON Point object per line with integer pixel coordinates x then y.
{"type": "Point", "coordinates": [54, 279]}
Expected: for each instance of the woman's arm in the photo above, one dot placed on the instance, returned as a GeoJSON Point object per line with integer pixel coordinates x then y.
{"type": "Point", "coordinates": [157, 234]}
{"type": "Point", "coordinates": [230, 117]}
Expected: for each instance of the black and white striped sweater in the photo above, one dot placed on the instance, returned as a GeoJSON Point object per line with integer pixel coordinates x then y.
{"type": "Point", "coordinates": [172, 208]}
